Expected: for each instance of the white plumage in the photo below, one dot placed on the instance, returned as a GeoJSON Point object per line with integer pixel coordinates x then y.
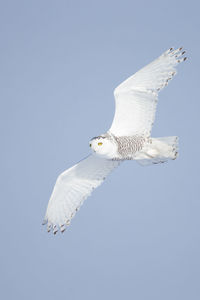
{"type": "Point", "coordinates": [73, 186]}
{"type": "Point", "coordinates": [128, 138]}
{"type": "Point", "coordinates": [136, 97]}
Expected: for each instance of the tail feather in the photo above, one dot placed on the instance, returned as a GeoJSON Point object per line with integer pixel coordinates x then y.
{"type": "Point", "coordinates": [160, 150]}
{"type": "Point", "coordinates": [171, 145]}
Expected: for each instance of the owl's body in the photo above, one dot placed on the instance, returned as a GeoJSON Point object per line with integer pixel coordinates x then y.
{"type": "Point", "coordinates": [145, 150]}
{"type": "Point", "coordinates": [129, 138]}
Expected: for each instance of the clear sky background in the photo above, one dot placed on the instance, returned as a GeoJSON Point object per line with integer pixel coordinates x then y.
{"type": "Point", "coordinates": [138, 236]}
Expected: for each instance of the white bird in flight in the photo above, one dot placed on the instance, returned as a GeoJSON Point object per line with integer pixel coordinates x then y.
{"type": "Point", "coordinates": [127, 139]}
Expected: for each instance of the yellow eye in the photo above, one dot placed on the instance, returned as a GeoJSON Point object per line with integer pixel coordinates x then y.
{"type": "Point", "coordinates": [100, 144]}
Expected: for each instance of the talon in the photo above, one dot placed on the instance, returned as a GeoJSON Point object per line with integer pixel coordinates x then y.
{"type": "Point", "coordinates": [180, 48]}
{"type": "Point", "coordinates": [183, 52]}
{"type": "Point", "coordinates": [171, 49]}
{"type": "Point", "coordinates": [185, 58]}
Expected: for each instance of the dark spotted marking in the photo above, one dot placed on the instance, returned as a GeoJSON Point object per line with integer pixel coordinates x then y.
{"type": "Point", "coordinates": [129, 145]}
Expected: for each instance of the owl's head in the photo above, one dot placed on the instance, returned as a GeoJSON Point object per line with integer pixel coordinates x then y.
{"type": "Point", "coordinates": [104, 146]}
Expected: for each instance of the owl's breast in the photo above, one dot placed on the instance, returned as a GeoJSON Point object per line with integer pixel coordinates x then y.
{"type": "Point", "coordinates": [128, 146]}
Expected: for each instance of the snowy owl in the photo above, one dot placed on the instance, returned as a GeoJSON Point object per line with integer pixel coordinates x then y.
{"type": "Point", "coordinates": [127, 139]}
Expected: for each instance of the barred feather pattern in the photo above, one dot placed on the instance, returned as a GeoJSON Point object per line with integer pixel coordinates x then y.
{"type": "Point", "coordinates": [128, 146]}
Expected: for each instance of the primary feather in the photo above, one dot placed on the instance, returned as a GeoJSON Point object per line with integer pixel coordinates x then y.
{"type": "Point", "coordinates": [136, 98]}
{"type": "Point", "coordinates": [73, 186]}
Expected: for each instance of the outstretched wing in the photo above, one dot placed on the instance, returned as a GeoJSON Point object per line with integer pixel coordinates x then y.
{"type": "Point", "coordinates": [136, 97]}
{"type": "Point", "coordinates": [72, 187]}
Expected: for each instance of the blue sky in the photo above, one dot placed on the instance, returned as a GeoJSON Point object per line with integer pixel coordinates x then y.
{"type": "Point", "coordinates": [138, 236]}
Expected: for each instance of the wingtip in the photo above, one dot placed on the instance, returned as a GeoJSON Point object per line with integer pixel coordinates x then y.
{"type": "Point", "coordinates": [62, 228]}
{"type": "Point", "coordinates": [177, 54]}
{"type": "Point", "coordinates": [44, 222]}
